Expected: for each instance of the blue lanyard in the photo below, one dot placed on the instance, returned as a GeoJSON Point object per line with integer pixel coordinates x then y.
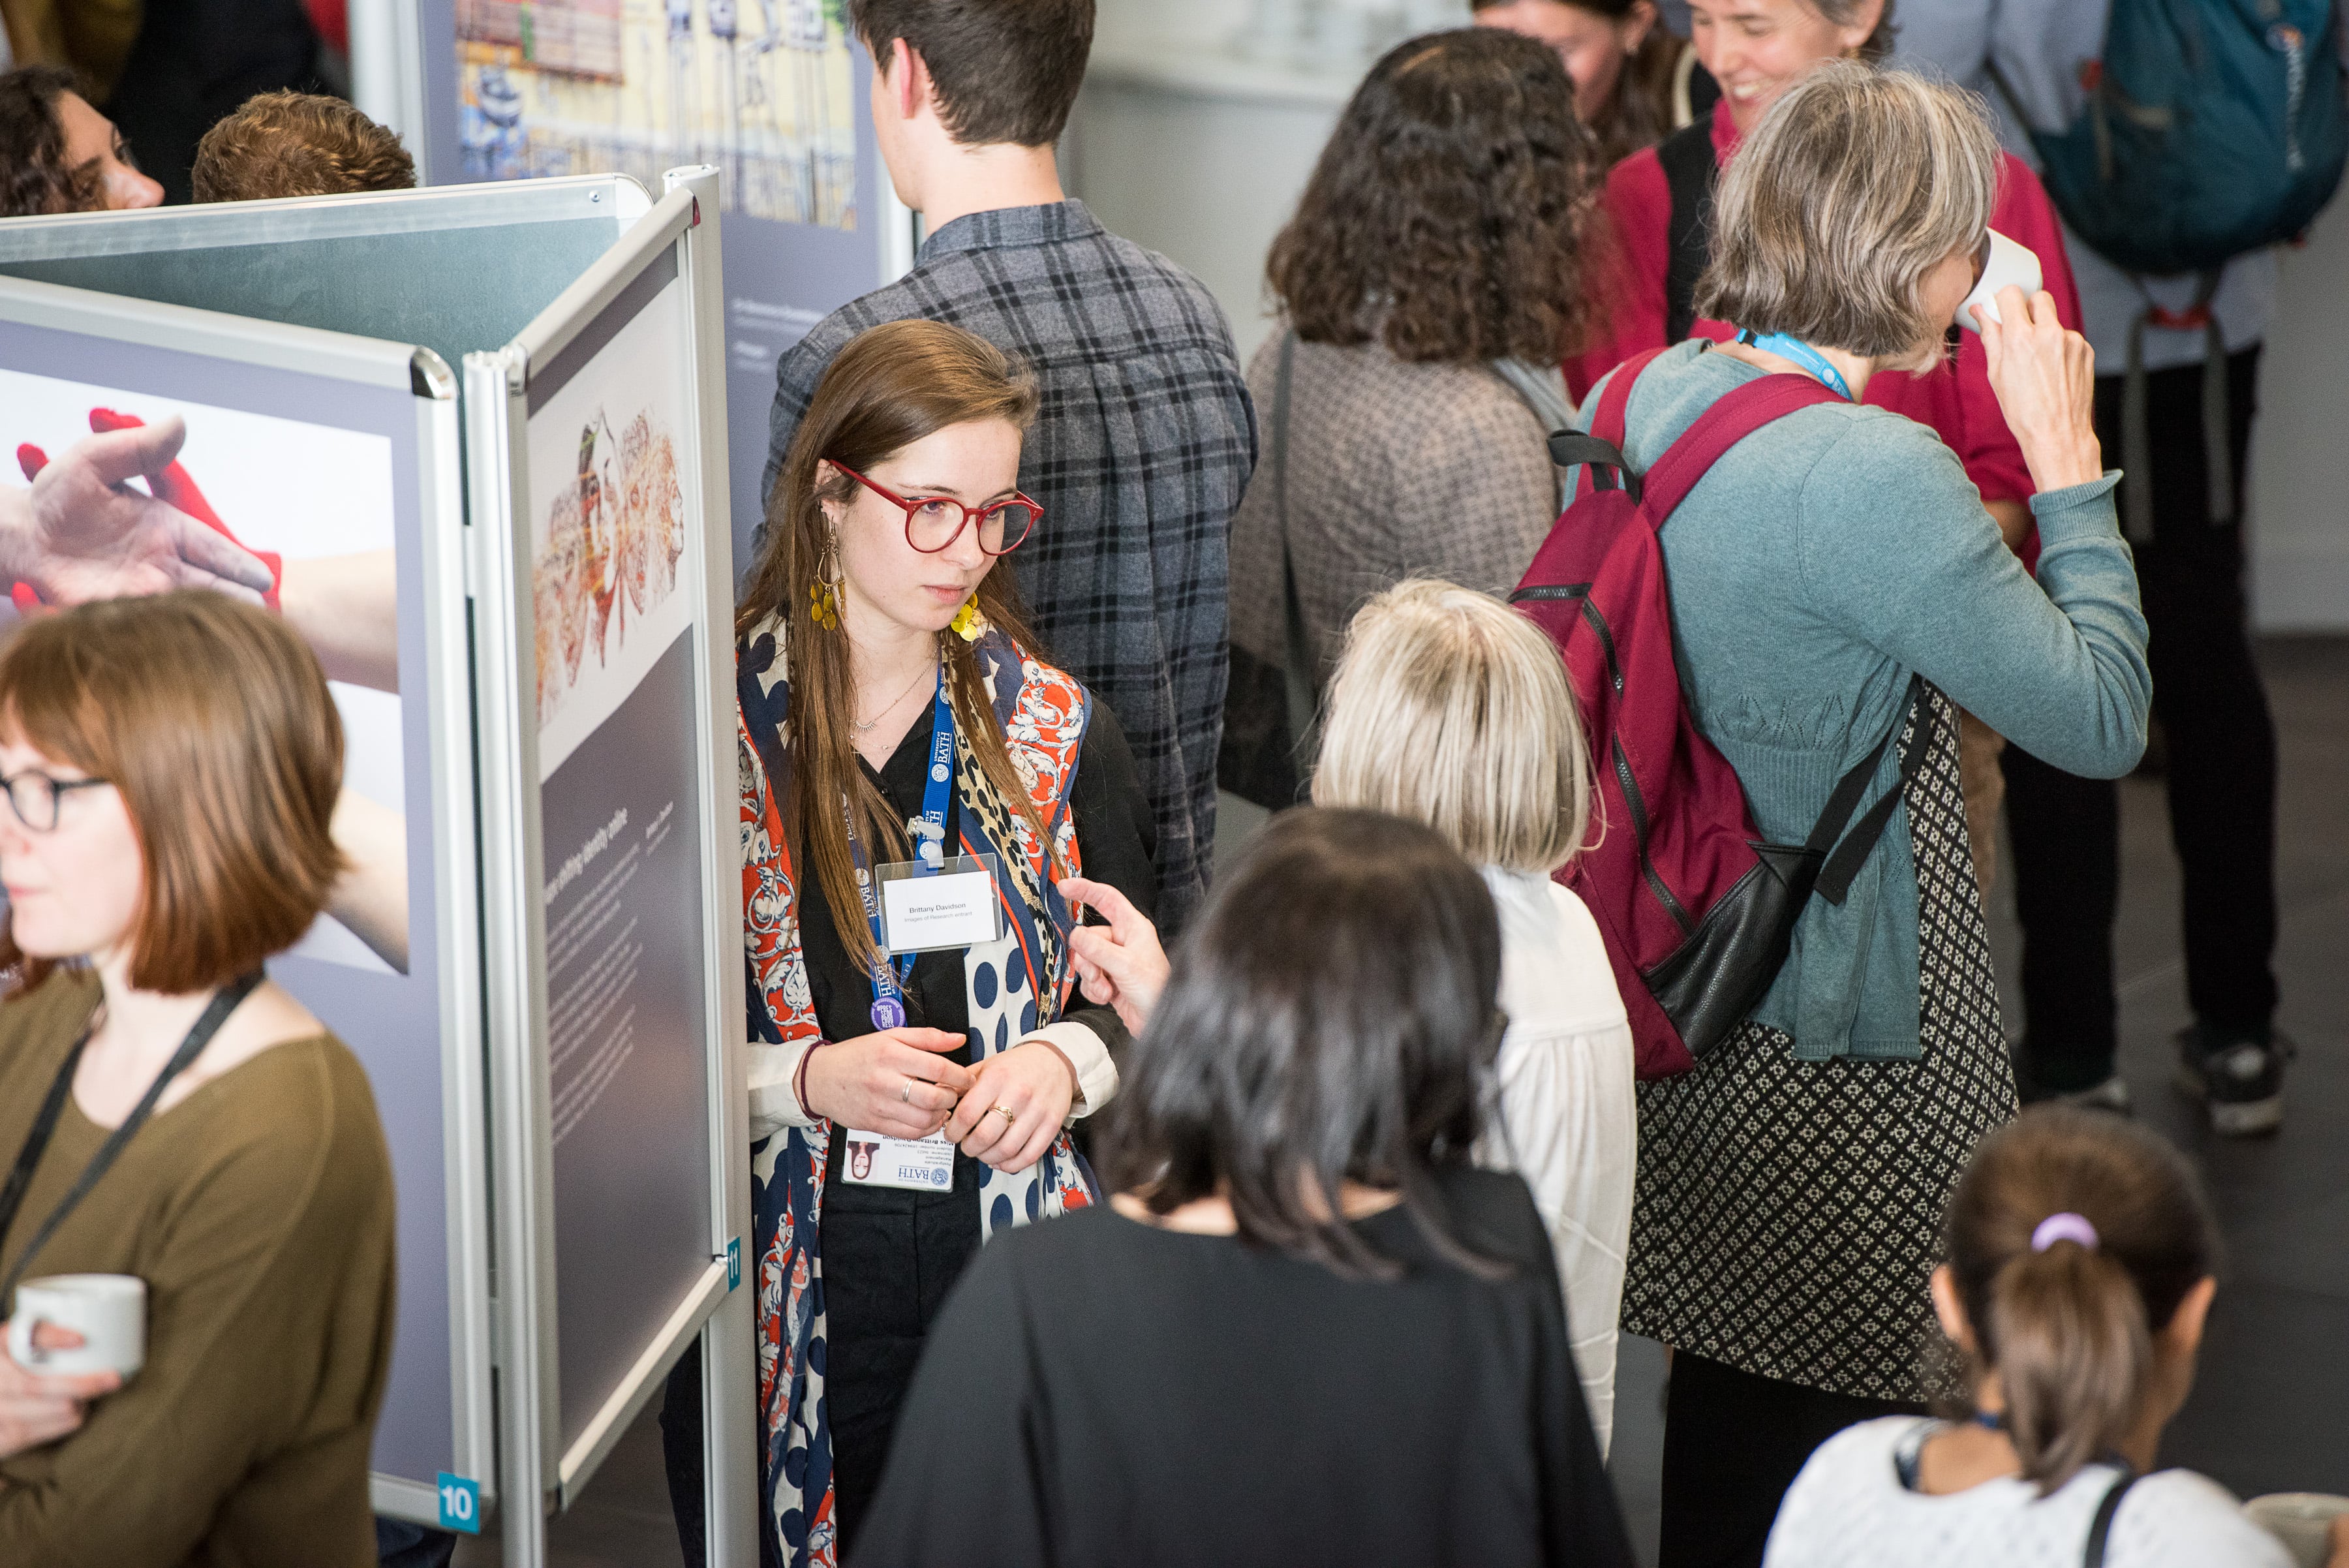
{"type": "Point", "coordinates": [890, 976]}
{"type": "Point", "coordinates": [1791, 348]}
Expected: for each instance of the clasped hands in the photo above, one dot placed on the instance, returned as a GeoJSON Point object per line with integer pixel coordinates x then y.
{"type": "Point", "coordinates": [1007, 1111]}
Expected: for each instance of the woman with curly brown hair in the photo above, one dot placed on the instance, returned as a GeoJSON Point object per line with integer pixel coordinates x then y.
{"type": "Point", "coordinates": [1433, 260]}
{"type": "Point", "coordinates": [57, 154]}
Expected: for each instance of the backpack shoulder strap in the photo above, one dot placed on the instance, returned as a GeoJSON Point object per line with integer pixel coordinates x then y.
{"type": "Point", "coordinates": [2100, 1533]}
{"type": "Point", "coordinates": [1599, 452]}
{"type": "Point", "coordinates": [1730, 420]}
{"type": "Point", "coordinates": [1691, 169]}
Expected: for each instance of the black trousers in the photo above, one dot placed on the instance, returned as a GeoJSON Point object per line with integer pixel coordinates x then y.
{"type": "Point", "coordinates": [1734, 1443]}
{"type": "Point", "coordinates": [2221, 767]}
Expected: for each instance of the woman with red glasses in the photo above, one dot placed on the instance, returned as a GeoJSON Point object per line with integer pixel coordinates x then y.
{"type": "Point", "coordinates": [915, 780]}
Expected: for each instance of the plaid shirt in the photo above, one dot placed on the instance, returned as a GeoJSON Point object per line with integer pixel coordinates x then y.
{"type": "Point", "coordinates": [1142, 448]}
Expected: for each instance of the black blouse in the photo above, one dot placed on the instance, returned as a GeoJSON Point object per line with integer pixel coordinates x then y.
{"type": "Point", "coordinates": [1100, 1390]}
{"type": "Point", "coordinates": [890, 1255]}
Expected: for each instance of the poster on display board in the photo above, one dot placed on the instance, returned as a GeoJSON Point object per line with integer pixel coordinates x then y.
{"type": "Point", "coordinates": [339, 473]}
{"type": "Point", "coordinates": [611, 890]}
{"type": "Point", "coordinates": [619, 782]}
{"type": "Point", "coordinates": [774, 93]}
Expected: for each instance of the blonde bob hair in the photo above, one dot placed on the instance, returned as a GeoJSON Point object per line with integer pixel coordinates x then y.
{"type": "Point", "coordinates": [1452, 710]}
{"type": "Point", "coordinates": [1855, 186]}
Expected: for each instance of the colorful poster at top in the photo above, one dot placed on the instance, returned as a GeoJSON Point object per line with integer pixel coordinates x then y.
{"type": "Point", "coordinates": [760, 88]}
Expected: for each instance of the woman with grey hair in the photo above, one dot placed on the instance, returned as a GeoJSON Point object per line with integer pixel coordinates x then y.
{"type": "Point", "coordinates": [1791, 1187]}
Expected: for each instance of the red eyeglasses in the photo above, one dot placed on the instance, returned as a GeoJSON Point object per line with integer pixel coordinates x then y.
{"type": "Point", "coordinates": [935, 521]}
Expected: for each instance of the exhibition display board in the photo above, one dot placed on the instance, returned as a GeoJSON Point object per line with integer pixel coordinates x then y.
{"type": "Point", "coordinates": [773, 94]}
{"type": "Point", "coordinates": [528, 641]}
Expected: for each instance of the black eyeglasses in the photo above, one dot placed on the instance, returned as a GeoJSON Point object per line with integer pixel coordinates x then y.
{"type": "Point", "coordinates": [34, 798]}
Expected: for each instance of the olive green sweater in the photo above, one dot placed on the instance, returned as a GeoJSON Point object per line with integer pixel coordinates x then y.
{"type": "Point", "coordinates": [259, 1211]}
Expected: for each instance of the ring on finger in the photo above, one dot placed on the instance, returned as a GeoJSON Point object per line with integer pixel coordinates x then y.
{"type": "Point", "coordinates": [1010, 1118]}
{"type": "Point", "coordinates": [906, 1094]}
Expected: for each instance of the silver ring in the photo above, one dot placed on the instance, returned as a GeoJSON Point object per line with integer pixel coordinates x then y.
{"type": "Point", "coordinates": [906, 1094]}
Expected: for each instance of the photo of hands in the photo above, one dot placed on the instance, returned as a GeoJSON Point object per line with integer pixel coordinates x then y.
{"type": "Point", "coordinates": [125, 494]}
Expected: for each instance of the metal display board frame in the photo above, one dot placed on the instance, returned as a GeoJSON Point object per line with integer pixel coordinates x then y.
{"type": "Point", "coordinates": [491, 931]}
{"type": "Point", "coordinates": [681, 230]}
{"type": "Point", "coordinates": [422, 373]}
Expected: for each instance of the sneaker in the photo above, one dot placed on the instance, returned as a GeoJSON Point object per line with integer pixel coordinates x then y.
{"type": "Point", "coordinates": [2110, 1095]}
{"type": "Point", "coordinates": [2238, 1075]}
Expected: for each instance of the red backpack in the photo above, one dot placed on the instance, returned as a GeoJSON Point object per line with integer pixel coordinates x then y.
{"type": "Point", "coordinates": [1697, 911]}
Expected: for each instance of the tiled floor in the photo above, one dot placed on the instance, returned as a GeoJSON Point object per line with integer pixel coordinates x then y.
{"type": "Point", "coordinates": [2271, 1412]}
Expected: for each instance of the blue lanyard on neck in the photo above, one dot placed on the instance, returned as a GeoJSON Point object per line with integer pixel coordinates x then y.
{"type": "Point", "coordinates": [1787, 347]}
{"type": "Point", "coordinates": [890, 976]}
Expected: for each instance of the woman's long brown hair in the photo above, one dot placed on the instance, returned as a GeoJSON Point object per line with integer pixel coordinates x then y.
{"type": "Point", "coordinates": [891, 387]}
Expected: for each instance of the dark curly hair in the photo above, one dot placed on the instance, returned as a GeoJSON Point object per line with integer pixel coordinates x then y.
{"type": "Point", "coordinates": [1449, 217]}
{"type": "Point", "coordinates": [34, 175]}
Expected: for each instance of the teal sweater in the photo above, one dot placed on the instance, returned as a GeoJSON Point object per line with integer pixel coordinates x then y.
{"type": "Point", "coordinates": [1822, 561]}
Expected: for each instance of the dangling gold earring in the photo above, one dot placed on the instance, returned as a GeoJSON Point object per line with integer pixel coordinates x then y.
{"type": "Point", "coordinates": [823, 594]}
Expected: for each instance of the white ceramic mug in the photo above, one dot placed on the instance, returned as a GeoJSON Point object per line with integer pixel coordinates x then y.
{"type": "Point", "coordinates": [109, 1311]}
{"type": "Point", "coordinates": [2011, 263]}
{"type": "Point", "coordinates": [2300, 1519]}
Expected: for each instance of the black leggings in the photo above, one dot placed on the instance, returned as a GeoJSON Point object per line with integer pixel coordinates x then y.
{"type": "Point", "coordinates": [1734, 1443]}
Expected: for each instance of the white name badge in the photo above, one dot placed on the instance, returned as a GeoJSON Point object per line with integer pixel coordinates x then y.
{"type": "Point", "coordinates": [917, 1165]}
{"type": "Point", "coordinates": [953, 907]}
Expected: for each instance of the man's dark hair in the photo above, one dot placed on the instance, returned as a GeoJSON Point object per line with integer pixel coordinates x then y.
{"type": "Point", "coordinates": [1007, 71]}
{"type": "Point", "coordinates": [297, 144]}
{"type": "Point", "coordinates": [1448, 217]}
{"type": "Point", "coordinates": [1331, 1018]}
{"type": "Point", "coordinates": [33, 174]}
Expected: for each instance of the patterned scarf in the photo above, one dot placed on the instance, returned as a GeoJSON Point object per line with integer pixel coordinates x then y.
{"type": "Point", "coordinates": [1013, 987]}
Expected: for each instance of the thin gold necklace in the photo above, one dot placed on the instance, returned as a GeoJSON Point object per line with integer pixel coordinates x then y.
{"type": "Point", "coordinates": [865, 726]}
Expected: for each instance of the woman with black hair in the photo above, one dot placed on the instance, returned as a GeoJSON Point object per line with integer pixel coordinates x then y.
{"type": "Point", "coordinates": [1306, 1330]}
{"type": "Point", "coordinates": [57, 154]}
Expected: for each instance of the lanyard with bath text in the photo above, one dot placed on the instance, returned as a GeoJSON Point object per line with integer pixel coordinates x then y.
{"type": "Point", "coordinates": [1787, 347]}
{"type": "Point", "coordinates": [888, 977]}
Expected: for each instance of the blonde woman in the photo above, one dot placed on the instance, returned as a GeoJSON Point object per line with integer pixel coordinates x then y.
{"type": "Point", "coordinates": [1451, 710]}
{"type": "Point", "coordinates": [1448, 709]}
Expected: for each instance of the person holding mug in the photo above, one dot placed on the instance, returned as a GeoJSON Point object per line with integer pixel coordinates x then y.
{"type": "Point", "coordinates": [2082, 1262]}
{"type": "Point", "coordinates": [1660, 209]}
{"type": "Point", "coordinates": [1834, 588]}
{"type": "Point", "coordinates": [173, 1122]}
{"type": "Point", "coordinates": [900, 729]}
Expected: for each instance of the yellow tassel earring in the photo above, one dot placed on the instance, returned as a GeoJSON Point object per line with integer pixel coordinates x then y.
{"type": "Point", "coordinates": [969, 624]}
{"type": "Point", "coordinates": [823, 595]}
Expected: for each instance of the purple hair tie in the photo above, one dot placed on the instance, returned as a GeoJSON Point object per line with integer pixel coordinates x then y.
{"type": "Point", "coordinates": [2063, 1228]}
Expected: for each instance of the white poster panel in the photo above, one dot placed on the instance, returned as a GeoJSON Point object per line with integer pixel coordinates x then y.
{"type": "Point", "coordinates": [329, 481]}
{"type": "Point", "coordinates": [622, 803]}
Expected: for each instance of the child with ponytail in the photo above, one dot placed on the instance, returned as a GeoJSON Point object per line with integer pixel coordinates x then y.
{"type": "Point", "coordinates": [2081, 1256]}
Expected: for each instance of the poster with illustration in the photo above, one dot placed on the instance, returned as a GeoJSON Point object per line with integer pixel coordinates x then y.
{"type": "Point", "coordinates": [130, 469]}
{"type": "Point", "coordinates": [126, 492]}
{"type": "Point", "coordinates": [616, 605]}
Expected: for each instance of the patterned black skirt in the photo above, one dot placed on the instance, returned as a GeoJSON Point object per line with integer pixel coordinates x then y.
{"type": "Point", "coordinates": [1788, 1213]}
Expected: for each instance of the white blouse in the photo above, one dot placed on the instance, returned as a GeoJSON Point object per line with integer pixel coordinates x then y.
{"type": "Point", "coordinates": [1569, 1123]}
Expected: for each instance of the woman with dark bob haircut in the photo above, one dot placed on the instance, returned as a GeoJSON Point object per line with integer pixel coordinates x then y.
{"type": "Point", "coordinates": [171, 766]}
{"type": "Point", "coordinates": [1306, 1330]}
{"type": "Point", "coordinates": [1430, 276]}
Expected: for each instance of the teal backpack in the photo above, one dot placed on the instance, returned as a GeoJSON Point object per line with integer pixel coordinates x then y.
{"type": "Point", "coordinates": [2212, 127]}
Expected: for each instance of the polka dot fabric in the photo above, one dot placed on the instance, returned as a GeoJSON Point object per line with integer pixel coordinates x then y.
{"type": "Point", "coordinates": [1788, 1213]}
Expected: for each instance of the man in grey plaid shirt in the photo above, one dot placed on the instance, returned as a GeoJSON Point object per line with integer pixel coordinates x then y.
{"type": "Point", "coordinates": [1145, 437]}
